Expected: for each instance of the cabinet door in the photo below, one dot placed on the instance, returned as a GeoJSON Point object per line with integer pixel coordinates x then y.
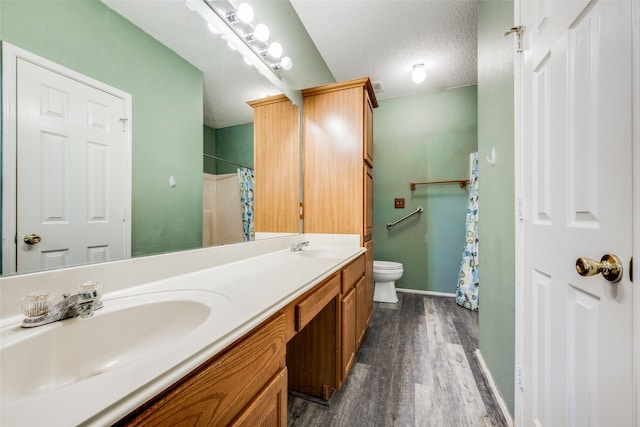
{"type": "Point", "coordinates": [218, 391]}
{"type": "Point", "coordinates": [368, 277]}
{"type": "Point", "coordinates": [276, 165]}
{"type": "Point", "coordinates": [348, 332]}
{"type": "Point", "coordinates": [368, 203]}
{"type": "Point", "coordinates": [361, 311]}
{"type": "Point", "coordinates": [368, 129]}
{"type": "Point", "coordinates": [269, 408]}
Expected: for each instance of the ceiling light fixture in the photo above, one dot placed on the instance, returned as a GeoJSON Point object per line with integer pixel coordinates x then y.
{"type": "Point", "coordinates": [419, 73]}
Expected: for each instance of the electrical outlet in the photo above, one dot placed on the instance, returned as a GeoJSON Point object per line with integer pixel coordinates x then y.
{"type": "Point", "coordinates": [398, 203]}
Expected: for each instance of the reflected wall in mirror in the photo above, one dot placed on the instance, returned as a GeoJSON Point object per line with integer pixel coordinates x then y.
{"type": "Point", "coordinates": [166, 117]}
{"type": "Point", "coordinates": [170, 94]}
{"type": "Point", "coordinates": [228, 212]}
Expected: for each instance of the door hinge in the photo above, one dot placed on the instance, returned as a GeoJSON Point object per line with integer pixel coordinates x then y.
{"type": "Point", "coordinates": [631, 270]}
{"type": "Point", "coordinates": [124, 124]}
{"type": "Point", "coordinates": [518, 30]}
{"type": "Point", "coordinates": [520, 209]}
{"type": "Point", "coordinates": [519, 377]}
{"type": "Point", "coordinates": [301, 211]}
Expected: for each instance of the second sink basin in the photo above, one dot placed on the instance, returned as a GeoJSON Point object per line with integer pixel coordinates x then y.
{"type": "Point", "coordinates": [125, 330]}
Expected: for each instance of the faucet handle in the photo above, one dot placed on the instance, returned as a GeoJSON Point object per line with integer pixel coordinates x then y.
{"type": "Point", "coordinates": [38, 303]}
{"type": "Point", "coordinates": [91, 287]}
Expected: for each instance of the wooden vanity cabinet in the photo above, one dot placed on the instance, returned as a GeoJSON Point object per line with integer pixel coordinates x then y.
{"type": "Point", "coordinates": [309, 346]}
{"type": "Point", "coordinates": [354, 320]}
{"type": "Point", "coordinates": [276, 123]}
{"type": "Point", "coordinates": [313, 353]}
{"type": "Point", "coordinates": [269, 408]}
{"type": "Point", "coordinates": [241, 382]}
{"type": "Point", "coordinates": [368, 277]}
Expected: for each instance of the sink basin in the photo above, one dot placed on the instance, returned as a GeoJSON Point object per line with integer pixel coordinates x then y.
{"type": "Point", "coordinates": [127, 329]}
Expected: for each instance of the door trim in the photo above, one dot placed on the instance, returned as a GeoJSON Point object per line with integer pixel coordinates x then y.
{"type": "Point", "coordinates": [518, 63]}
{"type": "Point", "coordinates": [10, 55]}
{"type": "Point", "coordinates": [635, 135]}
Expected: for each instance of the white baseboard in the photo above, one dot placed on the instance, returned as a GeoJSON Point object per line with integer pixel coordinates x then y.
{"type": "Point", "coordinates": [494, 389]}
{"type": "Point", "coordinates": [431, 293]}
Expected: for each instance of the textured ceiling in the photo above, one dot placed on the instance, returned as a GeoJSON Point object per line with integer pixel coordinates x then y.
{"type": "Point", "coordinates": [382, 39]}
{"type": "Point", "coordinates": [328, 40]}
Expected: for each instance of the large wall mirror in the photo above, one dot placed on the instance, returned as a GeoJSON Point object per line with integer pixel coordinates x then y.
{"type": "Point", "coordinates": [188, 111]}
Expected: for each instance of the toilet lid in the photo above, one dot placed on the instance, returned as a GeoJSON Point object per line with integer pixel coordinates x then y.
{"type": "Point", "coordinates": [387, 265]}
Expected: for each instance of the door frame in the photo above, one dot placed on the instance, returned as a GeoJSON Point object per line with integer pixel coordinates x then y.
{"type": "Point", "coordinates": [519, 227]}
{"type": "Point", "coordinates": [10, 55]}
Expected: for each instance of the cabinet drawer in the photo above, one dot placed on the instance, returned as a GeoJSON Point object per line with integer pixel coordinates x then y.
{"type": "Point", "coordinates": [307, 309]}
{"type": "Point", "coordinates": [351, 274]}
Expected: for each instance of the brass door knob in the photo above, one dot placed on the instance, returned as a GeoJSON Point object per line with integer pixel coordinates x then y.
{"type": "Point", "coordinates": [32, 239]}
{"type": "Point", "coordinates": [610, 266]}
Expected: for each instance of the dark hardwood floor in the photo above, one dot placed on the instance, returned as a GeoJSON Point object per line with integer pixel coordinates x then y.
{"type": "Point", "coordinates": [416, 367]}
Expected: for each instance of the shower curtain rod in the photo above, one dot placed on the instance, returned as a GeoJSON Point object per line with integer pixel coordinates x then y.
{"type": "Point", "coordinates": [226, 161]}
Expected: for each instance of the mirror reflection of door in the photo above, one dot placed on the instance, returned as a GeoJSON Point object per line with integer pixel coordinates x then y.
{"type": "Point", "coordinates": [72, 169]}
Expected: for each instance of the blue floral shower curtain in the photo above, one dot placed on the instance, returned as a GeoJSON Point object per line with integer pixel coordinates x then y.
{"type": "Point", "coordinates": [467, 292]}
{"type": "Point", "coordinates": [246, 199]}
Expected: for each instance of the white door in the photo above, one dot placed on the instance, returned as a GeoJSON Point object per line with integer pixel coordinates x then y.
{"type": "Point", "coordinates": [577, 160]}
{"type": "Point", "coordinates": [72, 171]}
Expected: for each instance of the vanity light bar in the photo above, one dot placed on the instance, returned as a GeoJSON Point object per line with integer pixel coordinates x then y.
{"type": "Point", "coordinates": [232, 33]}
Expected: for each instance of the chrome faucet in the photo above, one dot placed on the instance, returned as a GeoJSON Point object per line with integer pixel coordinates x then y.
{"type": "Point", "coordinates": [297, 247]}
{"type": "Point", "coordinates": [82, 304]}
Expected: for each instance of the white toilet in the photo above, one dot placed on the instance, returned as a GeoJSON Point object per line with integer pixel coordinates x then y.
{"type": "Point", "coordinates": [385, 274]}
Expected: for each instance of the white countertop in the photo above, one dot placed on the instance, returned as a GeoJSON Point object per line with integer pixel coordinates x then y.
{"type": "Point", "coordinates": [255, 288]}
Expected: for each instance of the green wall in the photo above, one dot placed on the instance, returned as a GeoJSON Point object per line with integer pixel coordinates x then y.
{"type": "Point", "coordinates": [90, 38]}
{"type": "Point", "coordinates": [209, 164]}
{"type": "Point", "coordinates": [233, 143]}
{"type": "Point", "coordinates": [426, 137]}
{"type": "Point", "coordinates": [496, 189]}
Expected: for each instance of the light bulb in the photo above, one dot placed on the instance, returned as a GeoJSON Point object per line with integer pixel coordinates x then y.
{"type": "Point", "coordinates": [231, 46]}
{"type": "Point", "coordinates": [246, 61]}
{"type": "Point", "coordinates": [245, 12]}
{"type": "Point", "coordinates": [286, 63]}
{"type": "Point", "coordinates": [275, 50]}
{"type": "Point", "coordinates": [419, 73]}
{"type": "Point", "coordinates": [261, 32]}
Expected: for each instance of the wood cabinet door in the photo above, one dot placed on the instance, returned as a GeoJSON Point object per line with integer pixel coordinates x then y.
{"type": "Point", "coordinates": [368, 277]}
{"type": "Point", "coordinates": [217, 392]}
{"type": "Point", "coordinates": [368, 203]}
{"type": "Point", "coordinates": [368, 129]}
{"type": "Point", "coordinates": [276, 165]}
{"type": "Point", "coordinates": [348, 332]}
{"type": "Point", "coordinates": [361, 311]}
{"type": "Point", "coordinates": [269, 408]}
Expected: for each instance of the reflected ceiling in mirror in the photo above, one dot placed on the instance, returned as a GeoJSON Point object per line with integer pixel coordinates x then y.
{"type": "Point", "coordinates": [228, 81]}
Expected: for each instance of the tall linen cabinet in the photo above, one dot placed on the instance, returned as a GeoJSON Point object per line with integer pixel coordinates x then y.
{"type": "Point", "coordinates": [338, 183]}
{"type": "Point", "coordinates": [277, 165]}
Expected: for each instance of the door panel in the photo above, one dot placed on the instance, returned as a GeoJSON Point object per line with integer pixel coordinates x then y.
{"type": "Point", "coordinates": [72, 183]}
{"type": "Point", "coordinates": [577, 353]}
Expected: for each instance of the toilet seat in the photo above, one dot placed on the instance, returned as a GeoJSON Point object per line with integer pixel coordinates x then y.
{"type": "Point", "coordinates": [387, 265]}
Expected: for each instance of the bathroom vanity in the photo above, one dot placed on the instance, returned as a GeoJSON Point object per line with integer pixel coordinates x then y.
{"type": "Point", "coordinates": [236, 336]}
{"type": "Point", "coordinates": [314, 338]}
